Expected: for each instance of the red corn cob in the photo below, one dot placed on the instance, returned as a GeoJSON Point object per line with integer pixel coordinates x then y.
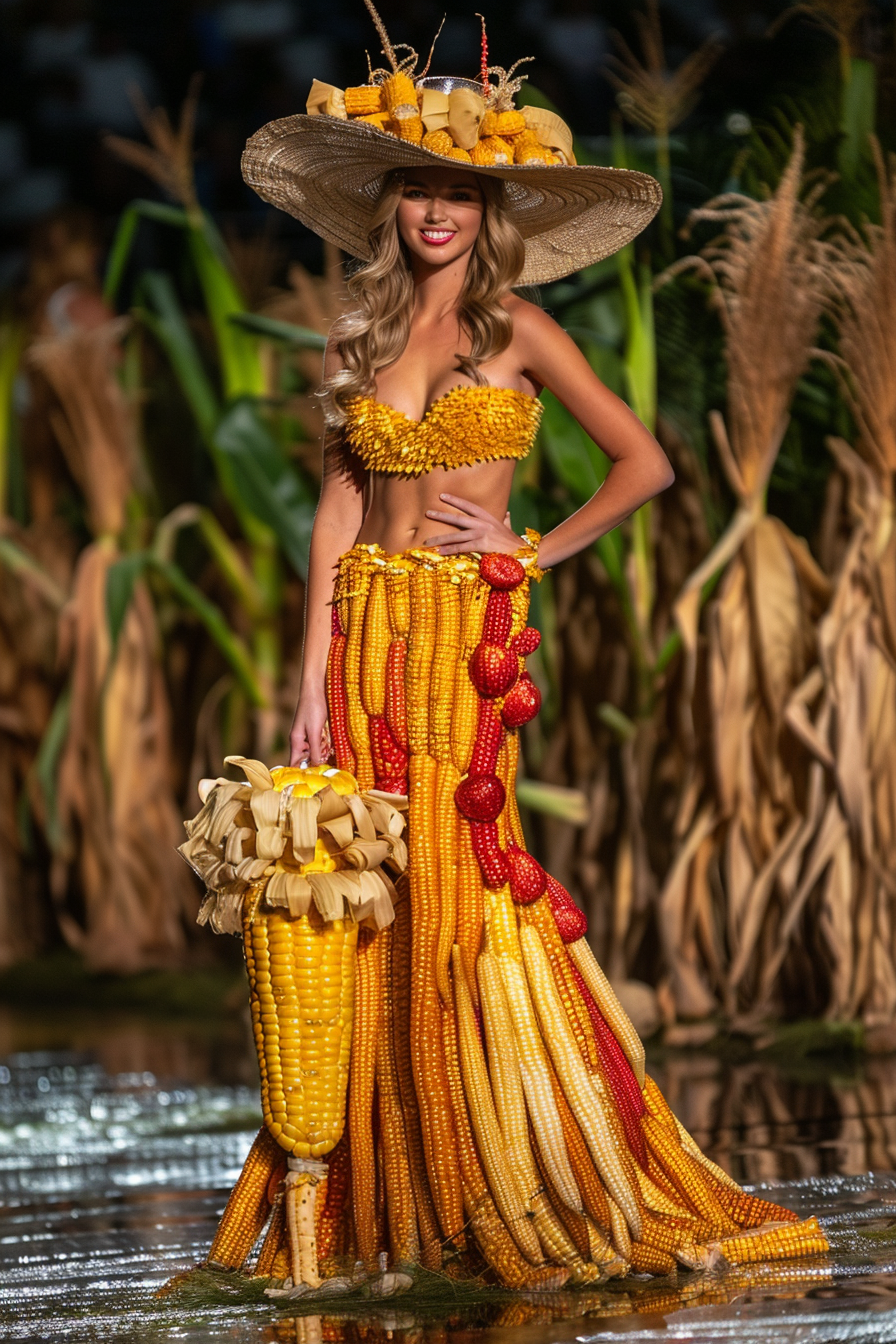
{"type": "Point", "coordinates": [337, 704]}
{"type": "Point", "coordinates": [498, 618]}
{"type": "Point", "coordinates": [618, 1073]}
{"type": "Point", "coordinates": [396, 698]}
{"type": "Point", "coordinates": [488, 740]}
{"type": "Point", "coordinates": [390, 763]}
{"type": "Point", "coordinates": [522, 702]}
{"type": "Point", "coordinates": [501, 571]}
{"type": "Point", "coordinates": [335, 623]}
{"type": "Point", "coordinates": [480, 798]}
{"type": "Point", "coordinates": [526, 642]}
{"type": "Point", "coordinates": [527, 877]}
{"type": "Point", "coordinates": [570, 920]}
{"type": "Point", "coordinates": [493, 669]}
{"type": "Point", "coordinates": [489, 855]}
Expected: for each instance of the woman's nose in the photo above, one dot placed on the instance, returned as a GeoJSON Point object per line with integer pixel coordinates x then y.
{"type": "Point", "coordinates": [436, 210]}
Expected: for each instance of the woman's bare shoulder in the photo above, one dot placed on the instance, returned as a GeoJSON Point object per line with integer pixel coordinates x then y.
{"type": "Point", "coordinates": [529, 319]}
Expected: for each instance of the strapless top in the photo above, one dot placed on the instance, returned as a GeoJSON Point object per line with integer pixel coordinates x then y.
{"type": "Point", "coordinates": [467, 424]}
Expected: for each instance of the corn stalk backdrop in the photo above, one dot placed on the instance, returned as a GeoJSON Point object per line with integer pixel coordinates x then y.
{"type": "Point", "coordinates": [712, 770]}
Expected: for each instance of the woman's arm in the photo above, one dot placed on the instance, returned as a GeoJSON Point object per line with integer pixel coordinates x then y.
{"type": "Point", "coordinates": [640, 468]}
{"type": "Point", "coordinates": [337, 522]}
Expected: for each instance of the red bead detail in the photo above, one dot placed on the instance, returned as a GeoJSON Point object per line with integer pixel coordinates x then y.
{"type": "Point", "coordinates": [527, 877]}
{"type": "Point", "coordinates": [522, 703]}
{"type": "Point", "coordinates": [480, 798]}
{"type": "Point", "coordinates": [498, 618]}
{"type": "Point", "coordinates": [570, 920]}
{"type": "Point", "coordinates": [526, 642]}
{"type": "Point", "coordinates": [335, 622]}
{"type": "Point", "coordinates": [390, 762]}
{"type": "Point", "coordinates": [618, 1073]}
{"type": "Point", "coordinates": [489, 855]}
{"type": "Point", "coordinates": [493, 670]}
{"type": "Point", "coordinates": [501, 571]}
{"type": "Point", "coordinates": [489, 732]}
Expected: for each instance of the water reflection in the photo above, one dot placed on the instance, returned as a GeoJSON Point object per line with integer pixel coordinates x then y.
{"type": "Point", "coordinates": [119, 1139]}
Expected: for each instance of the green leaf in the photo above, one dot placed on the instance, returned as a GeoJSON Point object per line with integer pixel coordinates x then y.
{"type": "Point", "coordinates": [167, 321]}
{"type": "Point", "coordinates": [242, 373]}
{"type": "Point", "coordinates": [231, 646]}
{"type": "Point", "coordinates": [857, 116]}
{"type": "Point", "coordinates": [272, 329]}
{"type": "Point", "coordinates": [566, 804]}
{"type": "Point", "coordinates": [120, 580]}
{"type": "Point", "coordinates": [268, 484]}
{"type": "Point", "coordinates": [46, 764]}
{"type": "Point", "coordinates": [578, 463]}
{"type": "Point", "coordinates": [125, 234]}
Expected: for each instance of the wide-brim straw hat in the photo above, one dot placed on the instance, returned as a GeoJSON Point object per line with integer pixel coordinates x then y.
{"type": "Point", "coordinates": [328, 173]}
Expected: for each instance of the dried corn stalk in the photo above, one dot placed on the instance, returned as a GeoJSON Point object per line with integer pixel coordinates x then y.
{"type": "Point", "coordinates": [750, 812]}
{"type": "Point", "coordinates": [845, 709]}
{"type": "Point", "coordinates": [118, 817]}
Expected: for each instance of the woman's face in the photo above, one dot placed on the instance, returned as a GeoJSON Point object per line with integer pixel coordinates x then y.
{"type": "Point", "coordinates": [439, 214]}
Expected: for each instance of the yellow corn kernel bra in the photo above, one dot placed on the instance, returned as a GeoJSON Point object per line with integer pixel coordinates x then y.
{"type": "Point", "coordinates": [467, 424]}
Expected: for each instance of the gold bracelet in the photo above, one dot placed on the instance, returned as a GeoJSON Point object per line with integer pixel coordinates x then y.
{"type": "Point", "coordinates": [528, 555]}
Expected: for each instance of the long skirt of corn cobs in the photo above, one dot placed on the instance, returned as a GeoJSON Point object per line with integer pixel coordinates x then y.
{"type": "Point", "coordinates": [497, 1121]}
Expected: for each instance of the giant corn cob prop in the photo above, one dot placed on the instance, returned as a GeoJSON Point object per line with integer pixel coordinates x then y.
{"type": "Point", "coordinates": [498, 1108]}
{"type": "Point", "coordinates": [293, 860]}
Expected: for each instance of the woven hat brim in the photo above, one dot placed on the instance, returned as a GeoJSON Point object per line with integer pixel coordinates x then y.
{"type": "Point", "coordinates": [328, 173]}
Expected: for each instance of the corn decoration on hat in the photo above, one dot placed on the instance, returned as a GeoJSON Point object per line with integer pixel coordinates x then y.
{"type": "Point", "coordinates": [327, 167]}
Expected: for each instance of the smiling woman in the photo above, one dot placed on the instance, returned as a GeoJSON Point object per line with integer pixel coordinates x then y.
{"type": "Point", "coordinates": [498, 1110]}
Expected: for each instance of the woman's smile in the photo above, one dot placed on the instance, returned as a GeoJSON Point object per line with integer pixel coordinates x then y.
{"type": "Point", "coordinates": [437, 237]}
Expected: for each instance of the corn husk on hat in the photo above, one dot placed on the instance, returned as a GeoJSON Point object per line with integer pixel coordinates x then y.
{"type": "Point", "coordinates": [327, 167]}
{"type": "Point", "coordinates": [296, 837]}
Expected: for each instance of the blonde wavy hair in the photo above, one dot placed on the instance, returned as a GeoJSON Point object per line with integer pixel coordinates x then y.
{"type": "Point", "coordinates": [375, 332]}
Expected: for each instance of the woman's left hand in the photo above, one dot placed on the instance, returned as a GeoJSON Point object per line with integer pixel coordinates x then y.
{"type": "Point", "coordinates": [475, 529]}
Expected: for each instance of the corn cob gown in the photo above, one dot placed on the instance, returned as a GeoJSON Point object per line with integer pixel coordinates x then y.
{"type": "Point", "coordinates": [499, 1117]}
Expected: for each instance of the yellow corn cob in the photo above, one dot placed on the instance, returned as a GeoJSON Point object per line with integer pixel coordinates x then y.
{"type": "Point", "coordinates": [492, 1236]}
{"type": "Point", "coordinates": [446, 826]}
{"type": "Point", "coordinates": [540, 917]}
{"type": "Point", "coordinates": [439, 142]}
{"type": "Point", "coordinates": [402, 1217]}
{"type": "Point", "coordinates": [275, 1238]}
{"type": "Point", "coordinates": [399, 95]}
{"type": "Point", "coordinates": [491, 149]}
{"type": "Point", "coordinates": [591, 1187]}
{"type": "Point", "coordinates": [437, 1120]}
{"type": "Point", "coordinates": [427, 1223]}
{"type": "Point", "coordinates": [421, 647]}
{"type": "Point", "coordinates": [503, 941]}
{"type": "Point", "coordinates": [461, 154]}
{"type": "Point", "coordinates": [370, 991]}
{"type": "Point", "coordinates": [380, 120]}
{"type": "Point", "coordinates": [470, 903]}
{"type": "Point", "coordinates": [645, 1260]}
{"type": "Point", "coordinates": [749, 1211]}
{"type": "Point", "coordinates": [616, 1017]}
{"type": "Point", "coordinates": [510, 1108]}
{"type": "Point", "coordinates": [364, 100]}
{"type": "Point", "coordinates": [407, 128]}
{"type": "Point", "coordinates": [377, 638]}
{"type": "Point", "coordinates": [354, 659]}
{"type": "Point", "coordinates": [445, 661]}
{"type": "Point", "coordinates": [248, 1206]}
{"type": "Point", "coordinates": [489, 1140]}
{"type": "Point", "coordinates": [685, 1174]}
{"type": "Point", "coordinates": [533, 154]}
{"type": "Point", "coordinates": [778, 1243]}
{"type": "Point", "coordinates": [576, 1082]}
{"type": "Point", "coordinates": [658, 1200]}
{"type": "Point", "coordinates": [465, 699]}
{"type": "Point", "coordinates": [399, 600]}
{"type": "Point", "coordinates": [503, 123]}
{"type": "Point", "coordinates": [619, 1233]}
{"type": "Point", "coordinates": [301, 982]}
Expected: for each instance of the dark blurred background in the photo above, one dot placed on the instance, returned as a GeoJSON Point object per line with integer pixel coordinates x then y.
{"type": "Point", "coordinates": [68, 68]}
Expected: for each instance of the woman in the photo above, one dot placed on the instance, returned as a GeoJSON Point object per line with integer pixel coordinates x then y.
{"type": "Point", "coordinates": [499, 1119]}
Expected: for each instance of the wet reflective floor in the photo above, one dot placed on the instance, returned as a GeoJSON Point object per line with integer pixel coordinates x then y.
{"type": "Point", "coordinates": [121, 1136]}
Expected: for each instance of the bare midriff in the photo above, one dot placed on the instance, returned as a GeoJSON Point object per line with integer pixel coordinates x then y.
{"type": "Point", "coordinates": [395, 506]}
